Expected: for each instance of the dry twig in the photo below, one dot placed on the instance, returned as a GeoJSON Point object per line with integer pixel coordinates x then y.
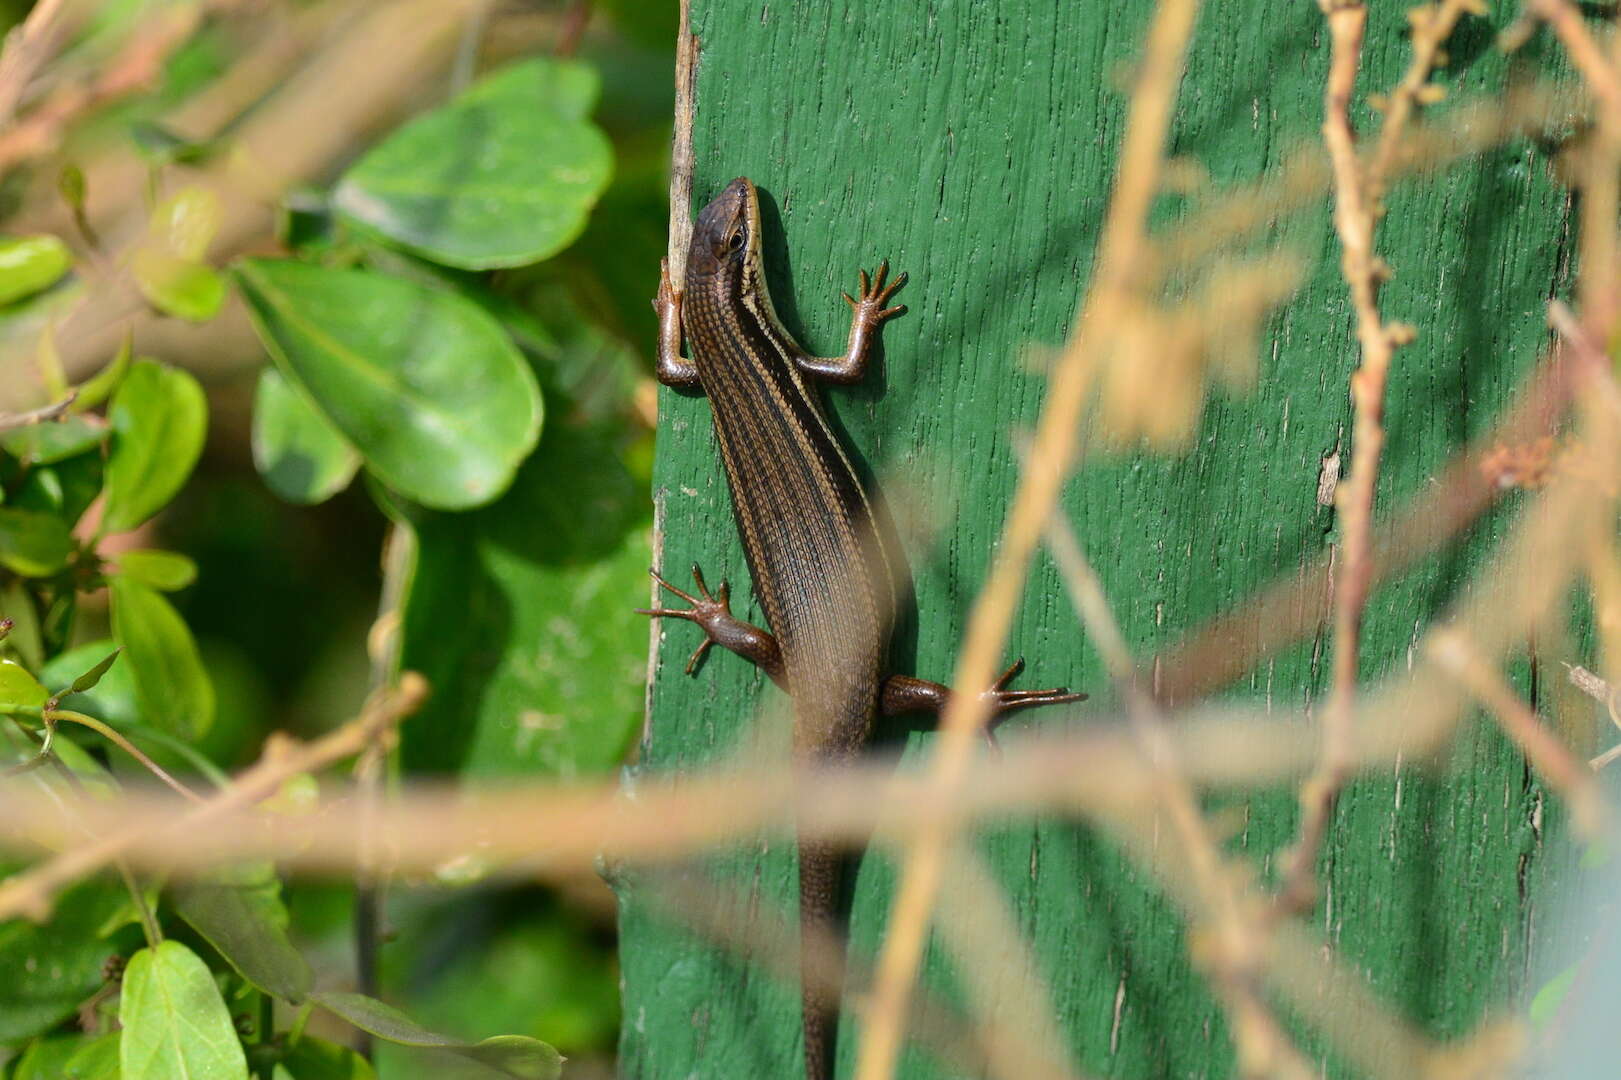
{"type": "Point", "coordinates": [31, 892]}
{"type": "Point", "coordinates": [1052, 452]}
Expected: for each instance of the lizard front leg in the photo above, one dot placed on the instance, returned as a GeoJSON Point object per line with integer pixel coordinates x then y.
{"type": "Point", "coordinates": [866, 315]}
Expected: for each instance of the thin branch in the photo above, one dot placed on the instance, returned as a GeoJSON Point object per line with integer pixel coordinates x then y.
{"type": "Point", "coordinates": [681, 160]}
{"type": "Point", "coordinates": [1054, 448]}
{"type": "Point", "coordinates": [31, 892]}
{"type": "Point", "coordinates": [1355, 212]}
{"type": "Point", "coordinates": [28, 48]}
{"type": "Point", "coordinates": [113, 736]}
{"type": "Point", "coordinates": [44, 415]}
{"type": "Point", "coordinates": [1567, 24]}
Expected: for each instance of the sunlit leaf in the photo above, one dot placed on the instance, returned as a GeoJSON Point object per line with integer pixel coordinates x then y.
{"type": "Point", "coordinates": [100, 386]}
{"type": "Point", "coordinates": [184, 288]}
{"type": "Point", "coordinates": [515, 1056]}
{"type": "Point", "coordinates": [98, 1059]}
{"type": "Point", "coordinates": [504, 175]}
{"type": "Point", "coordinates": [18, 687]}
{"type": "Point", "coordinates": [29, 264]}
{"type": "Point", "coordinates": [159, 419]}
{"type": "Point", "coordinates": [56, 440]}
{"type": "Point", "coordinates": [33, 543]}
{"type": "Point", "coordinates": [422, 383]}
{"type": "Point", "coordinates": [240, 912]}
{"type": "Point", "coordinates": [301, 456]}
{"type": "Point", "coordinates": [171, 684]}
{"type": "Point", "coordinates": [185, 222]}
{"type": "Point", "coordinates": [176, 1025]}
{"type": "Point", "coordinates": [163, 570]}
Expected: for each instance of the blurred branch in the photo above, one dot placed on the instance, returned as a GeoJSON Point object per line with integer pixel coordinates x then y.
{"type": "Point", "coordinates": [31, 892]}
{"type": "Point", "coordinates": [44, 415]}
{"type": "Point", "coordinates": [29, 47]}
{"type": "Point", "coordinates": [1120, 251]}
{"type": "Point", "coordinates": [1222, 913]}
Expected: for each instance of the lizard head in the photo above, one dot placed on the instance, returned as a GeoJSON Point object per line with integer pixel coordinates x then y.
{"type": "Point", "coordinates": [726, 236]}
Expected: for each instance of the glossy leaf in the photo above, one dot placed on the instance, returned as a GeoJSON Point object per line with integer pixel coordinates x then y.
{"type": "Point", "coordinates": [425, 385]}
{"type": "Point", "coordinates": [101, 386]}
{"type": "Point", "coordinates": [74, 1057]}
{"type": "Point", "coordinates": [504, 175]}
{"type": "Point", "coordinates": [29, 264]}
{"type": "Point", "coordinates": [171, 685]}
{"type": "Point", "coordinates": [18, 687]}
{"type": "Point", "coordinates": [98, 1059]}
{"type": "Point", "coordinates": [159, 419]}
{"type": "Point", "coordinates": [515, 1056]}
{"type": "Point", "coordinates": [184, 288]}
{"type": "Point", "coordinates": [111, 699]}
{"type": "Point", "coordinates": [49, 969]}
{"type": "Point", "coordinates": [64, 490]}
{"type": "Point", "coordinates": [239, 911]}
{"type": "Point", "coordinates": [163, 570]}
{"type": "Point", "coordinates": [317, 1059]}
{"type": "Point", "coordinates": [33, 543]}
{"type": "Point", "coordinates": [185, 223]}
{"type": "Point", "coordinates": [301, 456]}
{"type": "Point", "coordinates": [58, 440]}
{"type": "Point", "coordinates": [553, 687]}
{"type": "Point", "coordinates": [176, 1025]}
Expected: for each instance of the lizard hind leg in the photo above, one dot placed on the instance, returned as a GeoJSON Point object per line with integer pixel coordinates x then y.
{"type": "Point", "coordinates": [904, 694]}
{"type": "Point", "coordinates": [713, 612]}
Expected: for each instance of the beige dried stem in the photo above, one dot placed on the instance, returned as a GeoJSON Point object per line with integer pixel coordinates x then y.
{"type": "Point", "coordinates": [31, 892]}
{"type": "Point", "coordinates": [1225, 917]}
{"type": "Point", "coordinates": [1358, 194]}
{"type": "Point", "coordinates": [1053, 450]}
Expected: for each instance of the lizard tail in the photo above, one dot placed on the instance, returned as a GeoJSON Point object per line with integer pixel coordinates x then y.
{"type": "Point", "coordinates": [821, 969]}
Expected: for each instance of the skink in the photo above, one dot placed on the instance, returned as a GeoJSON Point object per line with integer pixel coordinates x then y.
{"type": "Point", "coordinates": [814, 551]}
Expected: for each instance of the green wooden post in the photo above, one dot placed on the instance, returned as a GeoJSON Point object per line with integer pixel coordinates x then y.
{"type": "Point", "coordinates": [973, 144]}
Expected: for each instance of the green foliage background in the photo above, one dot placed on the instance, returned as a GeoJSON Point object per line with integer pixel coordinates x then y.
{"type": "Point", "coordinates": [454, 327]}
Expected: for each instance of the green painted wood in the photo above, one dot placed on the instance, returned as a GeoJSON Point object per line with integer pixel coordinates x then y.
{"type": "Point", "coordinates": [972, 143]}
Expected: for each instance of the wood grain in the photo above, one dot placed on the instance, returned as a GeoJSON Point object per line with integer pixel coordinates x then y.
{"type": "Point", "coordinates": [973, 144]}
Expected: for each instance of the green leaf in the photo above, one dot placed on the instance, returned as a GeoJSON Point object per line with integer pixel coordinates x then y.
{"type": "Point", "coordinates": [51, 968]}
{"type": "Point", "coordinates": [98, 1059]}
{"type": "Point", "coordinates": [100, 386]}
{"type": "Point", "coordinates": [33, 543]}
{"type": "Point", "coordinates": [163, 570]}
{"type": "Point", "coordinates": [112, 698]}
{"type": "Point", "coordinates": [56, 440]}
{"type": "Point", "coordinates": [317, 1059]}
{"type": "Point", "coordinates": [1547, 1000]}
{"type": "Point", "coordinates": [514, 1056]}
{"type": "Point", "coordinates": [72, 1057]}
{"type": "Point", "coordinates": [160, 146]}
{"type": "Point", "coordinates": [171, 685]}
{"type": "Point", "coordinates": [240, 913]}
{"type": "Point", "coordinates": [64, 490]}
{"type": "Point", "coordinates": [184, 288]}
{"type": "Point", "coordinates": [89, 679]}
{"type": "Point", "coordinates": [159, 419]}
{"type": "Point", "coordinates": [425, 385]}
{"type": "Point", "coordinates": [176, 1025]}
{"type": "Point", "coordinates": [18, 687]}
{"type": "Point", "coordinates": [504, 175]}
{"type": "Point", "coordinates": [302, 457]}
{"type": "Point", "coordinates": [184, 224]}
{"type": "Point", "coordinates": [30, 264]}
{"type": "Point", "coordinates": [554, 686]}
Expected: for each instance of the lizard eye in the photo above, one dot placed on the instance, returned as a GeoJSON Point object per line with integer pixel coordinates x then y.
{"type": "Point", "coordinates": [735, 241]}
